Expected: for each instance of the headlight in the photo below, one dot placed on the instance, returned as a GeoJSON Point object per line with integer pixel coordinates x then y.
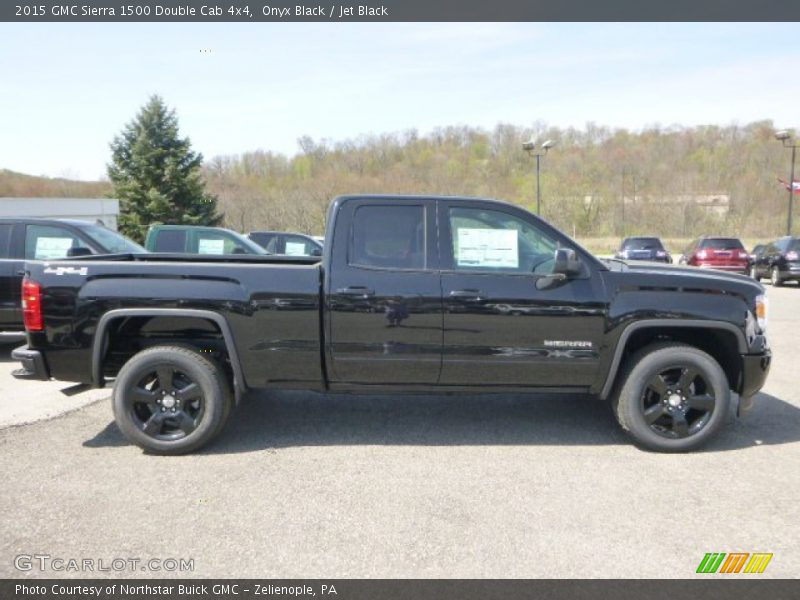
{"type": "Point", "coordinates": [761, 312]}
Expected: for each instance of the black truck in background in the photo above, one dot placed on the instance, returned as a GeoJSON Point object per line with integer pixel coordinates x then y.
{"type": "Point", "coordinates": [24, 239]}
{"type": "Point", "coordinates": [412, 294]}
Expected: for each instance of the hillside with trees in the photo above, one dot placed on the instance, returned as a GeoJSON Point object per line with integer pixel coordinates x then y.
{"type": "Point", "coordinates": [582, 178]}
{"type": "Point", "coordinates": [19, 185]}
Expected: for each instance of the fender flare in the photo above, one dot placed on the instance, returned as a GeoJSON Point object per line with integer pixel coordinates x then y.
{"type": "Point", "coordinates": [100, 343]}
{"type": "Point", "coordinates": [653, 323]}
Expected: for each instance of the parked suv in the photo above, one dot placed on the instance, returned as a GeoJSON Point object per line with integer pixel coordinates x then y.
{"type": "Point", "coordinates": [46, 239]}
{"type": "Point", "coordinates": [196, 239]}
{"type": "Point", "coordinates": [721, 253]}
{"type": "Point", "coordinates": [780, 261]}
{"type": "Point", "coordinates": [290, 244]}
{"type": "Point", "coordinates": [643, 248]}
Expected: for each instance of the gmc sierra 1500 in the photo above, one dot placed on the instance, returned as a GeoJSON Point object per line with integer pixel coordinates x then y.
{"type": "Point", "coordinates": [412, 294]}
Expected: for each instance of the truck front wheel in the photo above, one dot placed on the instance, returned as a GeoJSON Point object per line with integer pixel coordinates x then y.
{"type": "Point", "coordinates": [672, 398]}
{"type": "Point", "coordinates": [171, 400]}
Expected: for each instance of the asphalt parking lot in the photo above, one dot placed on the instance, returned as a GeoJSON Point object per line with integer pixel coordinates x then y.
{"type": "Point", "coordinates": [303, 485]}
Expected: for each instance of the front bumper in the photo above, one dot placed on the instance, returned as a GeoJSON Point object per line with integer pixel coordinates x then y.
{"type": "Point", "coordinates": [32, 364]}
{"type": "Point", "coordinates": [755, 368]}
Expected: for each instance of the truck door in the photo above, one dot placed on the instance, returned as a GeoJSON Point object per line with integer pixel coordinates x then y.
{"type": "Point", "coordinates": [500, 328]}
{"type": "Point", "coordinates": [10, 281]}
{"type": "Point", "coordinates": [383, 294]}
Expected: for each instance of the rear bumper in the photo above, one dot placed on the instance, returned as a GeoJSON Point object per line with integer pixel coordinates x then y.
{"type": "Point", "coordinates": [742, 269]}
{"type": "Point", "coordinates": [32, 364]}
{"type": "Point", "coordinates": [755, 368]}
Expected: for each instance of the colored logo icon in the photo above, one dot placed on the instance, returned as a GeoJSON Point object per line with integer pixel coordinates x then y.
{"type": "Point", "coordinates": [734, 562]}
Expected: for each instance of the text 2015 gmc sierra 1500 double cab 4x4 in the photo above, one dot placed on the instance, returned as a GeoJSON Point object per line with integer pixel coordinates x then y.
{"type": "Point", "coordinates": [412, 294]}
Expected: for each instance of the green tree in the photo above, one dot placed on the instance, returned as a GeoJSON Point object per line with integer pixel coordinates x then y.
{"type": "Point", "coordinates": [156, 175]}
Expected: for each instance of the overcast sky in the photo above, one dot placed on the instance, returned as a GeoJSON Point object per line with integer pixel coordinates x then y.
{"type": "Point", "coordinates": [66, 90]}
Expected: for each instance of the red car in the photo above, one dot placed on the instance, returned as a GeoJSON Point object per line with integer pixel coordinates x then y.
{"type": "Point", "coordinates": [721, 253]}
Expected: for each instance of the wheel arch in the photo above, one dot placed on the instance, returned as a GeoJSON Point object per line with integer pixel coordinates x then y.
{"type": "Point", "coordinates": [702, 334]}
{"type": "Point", "coordinates": [106, 322]}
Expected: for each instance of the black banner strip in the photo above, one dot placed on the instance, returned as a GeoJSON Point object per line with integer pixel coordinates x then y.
{"type": "Point", "coordinates": [398, 10]}
{"type": "Point", "coordinates": [749, 587]}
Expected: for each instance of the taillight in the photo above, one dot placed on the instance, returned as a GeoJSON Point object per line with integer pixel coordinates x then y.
{"type": "Point", "coordinates": [792, 255]}
{"type": "Point", "coordinates": [742, 254]}
{"type": "Point", "coordinates": [702, 254]}
{"type": "Point", "coordinates": [32, 305]}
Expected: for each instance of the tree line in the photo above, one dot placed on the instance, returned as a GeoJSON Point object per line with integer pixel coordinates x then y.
{"type": "Point", "coordinates": [584, 178]}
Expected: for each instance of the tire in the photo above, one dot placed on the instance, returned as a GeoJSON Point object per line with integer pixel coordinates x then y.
{"type": "Point", "coordinates": [684, 416]}
{"type": "Point", "coordinates": [148, 393]}
{"type": "Point", "coordinates": [754, 273]}
{"type": "Point", "coordinates": [775, 277]}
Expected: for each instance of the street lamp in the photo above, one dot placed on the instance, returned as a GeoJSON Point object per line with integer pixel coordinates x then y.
{"type": "Point", "coordinates": [785, 137]}
{"type": "Point", "coordinates": [530, 148]}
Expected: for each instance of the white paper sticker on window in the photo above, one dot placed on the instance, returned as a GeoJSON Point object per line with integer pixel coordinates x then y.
{"type": "Point", "coordinates": [52, 247]}
{"type": "Point", "coordinates": [488, 248]}
{"type": "Point", "coordinates": [296, 248]}
{"type": "Point", "coordinates": [210, 246]}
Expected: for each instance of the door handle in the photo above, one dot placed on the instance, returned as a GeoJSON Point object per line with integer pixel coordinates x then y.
{"type": "Point", "coordinates": [474, 295]}
{"type": "Point", "coordinates": [355, 290]}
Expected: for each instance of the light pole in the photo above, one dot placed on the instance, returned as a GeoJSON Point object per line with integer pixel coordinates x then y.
{"type": "Point", "coordinates": [633, 179]}
{"type": "Point", "coordinates": [530, 148]}
{"type": "Point", "coordinates": [788, 142]}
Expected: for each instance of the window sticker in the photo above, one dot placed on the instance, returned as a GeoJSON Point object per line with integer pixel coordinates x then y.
{"type": "Point", "coordinates": [52, 247]}
{"type": "Point", "coordinates": [495, 248]}
{"type": "Point", "coordinates": [296, 248]}
{"type": "Point", "coordinates": [210, 246]}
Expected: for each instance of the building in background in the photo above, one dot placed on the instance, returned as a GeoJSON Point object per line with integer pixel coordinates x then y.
{"type": "Point", "coordinates": [94, 210]}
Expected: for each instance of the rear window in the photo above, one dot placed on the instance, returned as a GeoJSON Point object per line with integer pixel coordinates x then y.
{"type": "Point", "coordinates": [642, 244]}
{"type": "Point", "coordinates": [389, 237]}
{"type": "Point", "coordinates": [263, 239]}
{"type": "Point", "coordinates": [795, 245]}
{"type": "Point", "coordinates": [5, 238]}
{"type": "Point", "coordinates": [722, 244]}
{"type": "Point", "coordinates": [171, 240]}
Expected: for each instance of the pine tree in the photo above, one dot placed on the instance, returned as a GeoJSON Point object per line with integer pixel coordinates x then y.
{"type": "Point", "coordinates": [156, 175]}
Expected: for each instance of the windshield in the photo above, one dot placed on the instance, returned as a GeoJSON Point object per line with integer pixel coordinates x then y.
{"type": "Point", "coordinates": [722, 244]}
{"type": "Point", "coordinates": [642, 244]}
{"type": "Point", "coordinates": [111, 241]}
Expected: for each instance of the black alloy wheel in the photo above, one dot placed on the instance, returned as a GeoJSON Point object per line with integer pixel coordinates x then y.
{"type": "Point", "coordinates": [678, 402]}
{"type": "Point", "coordinates": [166, 404]}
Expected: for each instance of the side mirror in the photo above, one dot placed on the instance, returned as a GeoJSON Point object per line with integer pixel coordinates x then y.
{"type": "Point", "coordinates": [316, 252]}
{"type": "Point", "coordinates": [566, 262]}
{"type": "Point", "coordinates": [78, 251]}
{"type": "Point", "coordinates": [239, 250]}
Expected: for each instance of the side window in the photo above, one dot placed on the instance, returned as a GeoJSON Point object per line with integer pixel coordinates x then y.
{"type": "Point", "coordinates": [47, 242]}
{"type": "Point", "coordinates": [782, 245]}
{"type": "Point", "coordinates": [171, 240]}
{"type": "Point", "coordinates": [389, 237]}
{"type": "Point", "coordinates": [298, 246]}
{"type": "Point", "coordinates": [5, 239]}
{"type": "Point", "coordinates": [216, 242]}
{"type": "Point", "coordinates": [494, 241]}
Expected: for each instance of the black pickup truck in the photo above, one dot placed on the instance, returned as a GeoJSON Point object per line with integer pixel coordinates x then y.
{"type": "Point", "coordinates": [412, 294]}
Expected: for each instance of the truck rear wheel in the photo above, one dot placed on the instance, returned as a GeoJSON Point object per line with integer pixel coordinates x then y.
{"type": "Point", "coordinates": [171, 400]}
{"type": "Point", "coordinates": [672, 398]}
